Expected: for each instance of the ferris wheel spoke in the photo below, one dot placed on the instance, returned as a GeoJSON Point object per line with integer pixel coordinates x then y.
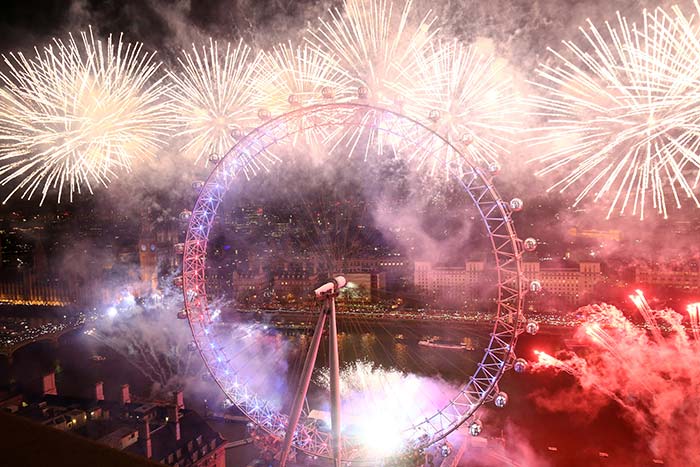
{"type": "Point", "coordinates": [418, 147]}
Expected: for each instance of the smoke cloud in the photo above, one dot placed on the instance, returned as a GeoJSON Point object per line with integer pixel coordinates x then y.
{"type": "Point", "coordinates": [653, 379]}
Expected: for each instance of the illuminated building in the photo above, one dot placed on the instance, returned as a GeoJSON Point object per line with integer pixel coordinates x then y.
{"type": "Point", "coordinates": [450, 284]}
{"type": "Point", "coordinates": [600, 235]}
{"type": "Point", "coordinates": [568, 282]}
{"type": "Point", "coordinates": [682, 276]}
{"type": "Point", "coordinates": [156, 254]}
{"type": "Point", "coordinates": [249, 286]}
{"type": "Point", "coordinates": [291, 286]}
{"type": "Point", "coordinates": [28, 289]}
{"type": "Point", "coordinates": [148, 261]}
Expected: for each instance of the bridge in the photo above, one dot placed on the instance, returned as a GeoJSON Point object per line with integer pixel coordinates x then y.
{"type": "Point", "coordinates": [53, 337]}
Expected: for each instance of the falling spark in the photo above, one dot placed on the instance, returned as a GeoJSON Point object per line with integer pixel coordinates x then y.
{"type": "Point", "coordinates": [647, 313]}
{"type": "Point", "coordinates": [290, 77]}
{"type": "Point", "coordinates": [693, 310]}
{"type": "Point", "coordinates": [653, 379]}
{"type": "Point", "coordinates": [376, 44]}
{"type": "Point", "coordinates": [467, 98]}
{"type": "Point", "coordinates": [621, 120]}
{"type": "Point", "coordinates": [77, 113]}
{"type": "Point", "coordinates": [213, 97]}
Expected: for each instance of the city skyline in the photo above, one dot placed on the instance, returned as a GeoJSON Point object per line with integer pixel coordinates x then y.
{"type": "Point", "coordinates": [363, 232]}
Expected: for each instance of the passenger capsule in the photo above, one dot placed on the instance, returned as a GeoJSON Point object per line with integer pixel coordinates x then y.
{"type": "Point", "coordinates": [532, 327]}
{"type": "Point", "coordinates": [529, 244]}
{"type": "Point", "coordinates": [494, 168]}
{"type": "Point", "coordinates": [475, 427]}
{"type": "Point", "coordinates": [500, 400]}
{"type": "Point", "coordinates": [520, 365]}
{"type": "Point", "coordinates": [516, 204]}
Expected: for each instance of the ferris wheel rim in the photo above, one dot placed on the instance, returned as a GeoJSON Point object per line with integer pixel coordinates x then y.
{"type": "Point", "coordinates": [495, 214]}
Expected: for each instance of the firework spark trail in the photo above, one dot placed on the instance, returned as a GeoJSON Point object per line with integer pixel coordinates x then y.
{"type": "Point", "coordinates": [544, 360]}
{"type": "Point", "coordinates": [647, 313]}
{"type": "Point", "coordinates": [290, 77]}
{"type": "Point", "coordinates": [655, 381]}
{"type": "Point", "coordinates": [620, 114]}
{"type": "Point", "coordinates": [154, 343]}
{"type": "Point", "coordinates": [466, 97]}
{"type": "Point", "coordinates": [376, 44]}
{"type": "Point", "coordinates": [693, 310]}
{"type": "Point", "coordinates": [213, 97]}
{"type": "Point", "coordinates": [377, 400]}
{"type": "Point", "coordinates": [77, 113]}
{"type": "Point", "coordinates": [602, 338]}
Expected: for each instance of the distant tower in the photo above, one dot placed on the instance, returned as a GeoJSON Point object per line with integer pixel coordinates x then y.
{"type": "Point", "coordinates": [40, 260]}
{"type": "Point", "coordinates": [148, 260]}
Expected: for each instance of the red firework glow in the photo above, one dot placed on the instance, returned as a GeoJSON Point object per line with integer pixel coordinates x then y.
{"type": "Point", "coordinates": [652, 371]}
{"type": "Point", "coordinates": [694, 313]}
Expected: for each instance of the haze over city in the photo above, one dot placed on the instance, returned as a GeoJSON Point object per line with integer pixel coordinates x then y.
{"type": "Point", "coordinates": [363, 232]}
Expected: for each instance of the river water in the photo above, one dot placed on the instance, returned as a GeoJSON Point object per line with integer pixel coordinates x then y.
{"type": "Point", "coordinates": [550, 438]}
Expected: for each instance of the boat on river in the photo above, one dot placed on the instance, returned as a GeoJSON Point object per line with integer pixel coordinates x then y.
{"type": "Point", "coordinates": [434, 341]}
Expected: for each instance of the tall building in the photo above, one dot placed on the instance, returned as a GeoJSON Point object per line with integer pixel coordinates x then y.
{"type": "Point", "coordinates": [681, 276]}
{"type": "Point", "coordinates": [157, 256]}
{"type": "Point", "coordinates": [571, 283]}
{"type": "Point", "coordinates": [148, 264]}
{"type": "Point", "coordinates": [453, 285]}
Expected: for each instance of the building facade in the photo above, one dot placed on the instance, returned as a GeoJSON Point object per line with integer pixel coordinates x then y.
{"type": "Point", "coordinates": [568, 282]}
{"type": "Point", "coordinates": [451, 285]}
{"type": "Point", "coordinates": [684, 276]}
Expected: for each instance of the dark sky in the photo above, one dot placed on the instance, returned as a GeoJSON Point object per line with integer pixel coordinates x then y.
{"type": "Point", "coordinates": [160, 24]}
{"type": "Point", "coordinates": [520, 30]}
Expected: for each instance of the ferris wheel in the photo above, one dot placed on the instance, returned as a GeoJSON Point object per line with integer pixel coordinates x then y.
{"type": "Point", "coordinates": [420, 146]}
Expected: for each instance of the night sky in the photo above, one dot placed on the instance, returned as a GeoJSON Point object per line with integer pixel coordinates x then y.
{"type": "Point", "coordinates": [519, 31]}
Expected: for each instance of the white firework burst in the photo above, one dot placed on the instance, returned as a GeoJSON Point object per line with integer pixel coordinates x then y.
{"type": "Point", "coordinates": [290, 77]}
{"type": "Point", "coordinates": [77, 113]}
{"type": "Point", "coordinates": [213, 97]}
{"type": "Point", "coordinates": [376, 43]}
{"type": "Point", "coordinates": [622, 122]}
{"type": "Point", "coordinates": [466, 97]}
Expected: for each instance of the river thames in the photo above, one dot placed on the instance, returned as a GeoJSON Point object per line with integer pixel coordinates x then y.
{"type": "Point", "coordinates": [549, 437]}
